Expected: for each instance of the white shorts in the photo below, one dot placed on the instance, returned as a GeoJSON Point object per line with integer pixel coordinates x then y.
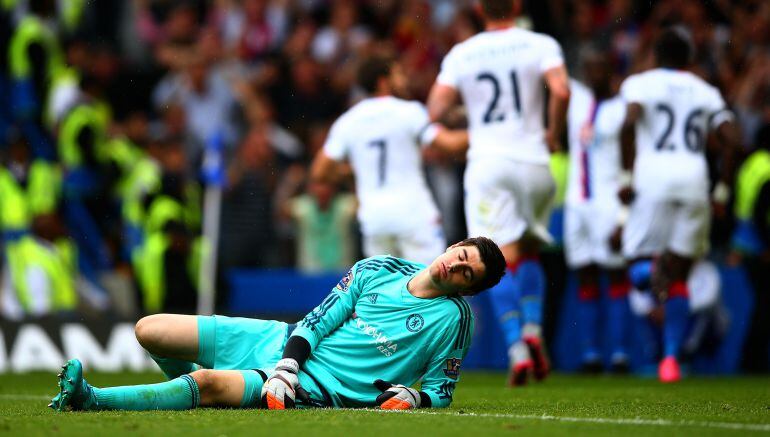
{"type": "Point", "coordinates": [504, 199]}
{"type": "Point", "coordinates": [658, 225]}
{"type": "Point", "coordinates": [588, 227]}
{"type": "Point", "coordinates": [421, 245]}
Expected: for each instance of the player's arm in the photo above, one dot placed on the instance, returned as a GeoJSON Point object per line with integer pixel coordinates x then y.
{"type": "Point", "coordinates": [444, 95]}
{"type": "Point", "coordinates": [441, 99]}
{"type": "Point", "coordinates": [451, 142]}
{"type": "Point", "coordinates": [728, 138]}
{"type": "Point", "coordinates": [279, 390]}
{"type": "Point", "coordinates": [557, 81]}
{"type": "Point", "coordinates": [443, 370]}
{"type": "Point", "coordinates": [324, 168]}
{"type": "Point", "coordinates": [634, 113]}
{"type": "Point", "coordinates": [333, 311]}
{"type": "Point", "coordinates": [327, 164]}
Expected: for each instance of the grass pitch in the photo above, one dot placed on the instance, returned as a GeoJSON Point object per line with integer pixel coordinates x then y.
{"type": "Point", "coordinates": [562, 405]}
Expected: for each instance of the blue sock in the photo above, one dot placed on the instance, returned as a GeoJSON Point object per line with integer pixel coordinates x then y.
{"type": "Point", "coordinates": [618, 317]}
{"type": "Point", "coordinates": [675, 324]}
{"type": "Point", "coordinates": [172, 367]}
{"type": "Point", "coordinates": [531, 282]}
{"type": "Point", "coordinates": [178, 394]}
{"type": "Point", "coordinates": [588, 322]}
{"type": "Point", "coordinates": [505, 304]}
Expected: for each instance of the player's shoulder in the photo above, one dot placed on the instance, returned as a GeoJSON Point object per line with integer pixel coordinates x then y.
{"type": "Point", "coordinates": [386, 264]}
{"type": "Point", "coordinates": [542, 39]}
{"type": "Point", "coordinates": [354, 111]}
{"type": "Point", "coordinates": [344, 121]}
{"type": "Point", "coordinates": [408, 107]}
{"type": "Point", "coordinates": [702, 86]}
{"type": "Point", "coordinates": [637, 78]}
{"type": "Point", "coordinates": [638, 86]}
{"type": "Point", "coordinates": [458, 308]}
{"type": "Point", "coordinates": [516, 34]}
{"type": "Point", "coordinates": [458, 317]}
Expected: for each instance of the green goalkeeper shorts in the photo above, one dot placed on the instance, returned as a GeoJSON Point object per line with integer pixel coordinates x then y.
{"type": "Point", "coordinates": [235, 343]}
{"type": "Point", "coordinates": [252, 346]}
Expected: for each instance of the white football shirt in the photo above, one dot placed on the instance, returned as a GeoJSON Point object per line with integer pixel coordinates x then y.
{"type": "Point", "coordinates": [382, 139]}
{"type": "Point", "coordinates": [500, 77]}
{"type": "Point", "coordinates": [593, 130]}
{"type": "Point", "coordinates": [679, 109]}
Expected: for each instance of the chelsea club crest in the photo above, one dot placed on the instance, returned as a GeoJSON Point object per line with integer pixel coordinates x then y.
{"type": "Point", "coordinates": [414, 322]}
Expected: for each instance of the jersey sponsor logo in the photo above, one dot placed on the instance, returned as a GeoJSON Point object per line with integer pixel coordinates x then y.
{"type": "Point", "coordinates": [453, 368]}
{"type": "Point", "coordinates": [379, 339]}
{"type": "Point", "coordinates": [344, 283]}
{"type": "Point", "coordinates": [414, 322]}
{"type": "Point", "coordinates": [373, 297]}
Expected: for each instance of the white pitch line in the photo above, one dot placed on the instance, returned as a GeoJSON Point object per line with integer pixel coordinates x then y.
{"type": "Point", "coordinates": [544, 417]}
{"type": "Point", "coordinates": [600, 420]}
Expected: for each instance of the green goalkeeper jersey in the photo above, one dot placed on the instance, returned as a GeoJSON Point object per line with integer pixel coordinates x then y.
{"type": "Point", "coordinates": [371, 327]}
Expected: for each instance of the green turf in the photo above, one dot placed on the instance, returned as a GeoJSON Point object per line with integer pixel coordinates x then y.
{"type": "Point", "coordinates": [697, 406]}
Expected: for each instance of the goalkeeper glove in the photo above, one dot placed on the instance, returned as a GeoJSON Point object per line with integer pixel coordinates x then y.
{"type": "Point", "coordinates": [281, 389]}
{"type": "Point", "coordinates": [396, 397]}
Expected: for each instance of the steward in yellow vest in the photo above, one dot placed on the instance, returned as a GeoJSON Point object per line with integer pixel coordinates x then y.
{"type": "Point", "coordinates": [167, 263]}
{"type": "Point", "coordinates": [753, 176]}
{"type": "Point", "coordinates": [28, 187]}
{"type": "Point", "coordinates": [34, 60]}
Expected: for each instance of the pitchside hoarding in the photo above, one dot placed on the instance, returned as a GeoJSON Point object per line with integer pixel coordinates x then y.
{"type": "Point", "coordinates": [43, 345]}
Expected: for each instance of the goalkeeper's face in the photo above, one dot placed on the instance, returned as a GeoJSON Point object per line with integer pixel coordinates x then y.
{"type": "Point", "coordinates": [457, 270]}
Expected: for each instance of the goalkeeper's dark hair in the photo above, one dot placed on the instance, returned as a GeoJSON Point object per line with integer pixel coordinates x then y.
{"type": "Point", "coordinates": [371, 70]}
{"type": "Point", "coordinates": [494, 263]}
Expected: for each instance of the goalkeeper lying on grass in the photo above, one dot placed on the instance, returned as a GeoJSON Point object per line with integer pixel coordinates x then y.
{"type": "Point", "coordinates": [386, 320]}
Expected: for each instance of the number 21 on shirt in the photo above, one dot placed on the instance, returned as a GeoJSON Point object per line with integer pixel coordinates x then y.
{"type": "Point", "coordinates": [492, 114]}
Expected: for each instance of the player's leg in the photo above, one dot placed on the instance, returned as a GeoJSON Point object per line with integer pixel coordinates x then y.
{"type": "Point", "coordinates": [505, 304]}
{"type": "Point", "coordinates": [530, 279]}
{"type": "Point", "coordinates": [618, 318]}
{"type": "Point", "coordinates": [578, 250]}
{"type": "Point", "coordinates": [171, 340]}
{"type": "Point", "coordinates": [229, 388]}
{"type": "Point", "coordinates": [534, 188]}
{"type": "Point", "coordinates": [490, 211]}
{"type": "Point", "coordinates": [671, 286]}
{"type": "Point", "coordinates": [202, 388]}
{"type": "Point", "coordinates": [645, 236]}
{"type": "Point", "coordinates": [588, 316]}
{"type": "Point", "coordinates": [689, 239]}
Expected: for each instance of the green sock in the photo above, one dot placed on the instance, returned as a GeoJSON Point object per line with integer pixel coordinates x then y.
{"type": "Point", "coordinates": [172, 367]}
{"type": "Point", "coordinates": [178, 394]}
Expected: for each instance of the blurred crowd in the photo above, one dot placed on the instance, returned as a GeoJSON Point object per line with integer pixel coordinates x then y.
{"type": "Point", "coordinates": [108, 108]}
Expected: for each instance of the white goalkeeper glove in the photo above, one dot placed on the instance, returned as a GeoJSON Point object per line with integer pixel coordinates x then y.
{"type": "Point", "coordinates": [280, 390]}
{"type": "Point", "coordinates": [396, 397]}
